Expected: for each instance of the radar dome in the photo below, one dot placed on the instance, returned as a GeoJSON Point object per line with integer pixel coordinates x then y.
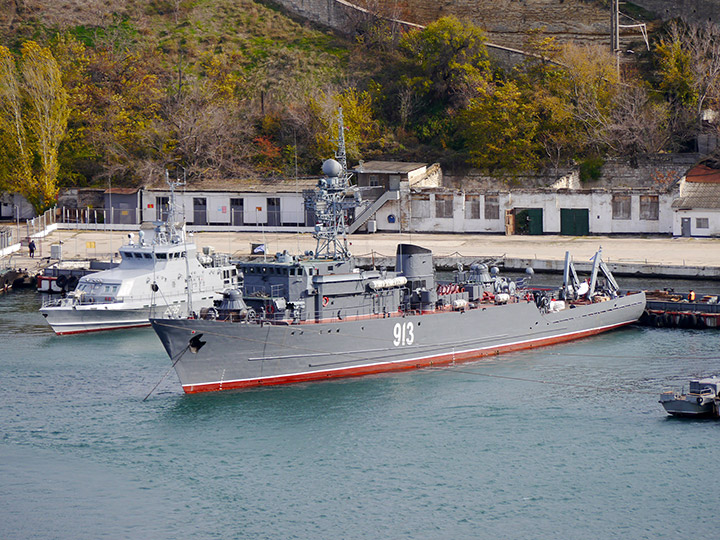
{"type": "Point", "coordinates": [331, 168]}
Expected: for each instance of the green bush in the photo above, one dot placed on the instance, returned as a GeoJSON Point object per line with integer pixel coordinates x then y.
{"type": "Point", "coordinates": [591, 169]}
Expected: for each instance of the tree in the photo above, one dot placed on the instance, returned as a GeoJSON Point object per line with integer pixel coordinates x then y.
{"type": "Point", "coordinates": [34, 120]}
{"type": "Point", "coordinates": [362, 132]}
{"type": "Point", "coordinates": [79, 158]}
{"type": "Point", "coordinates": [444, 64]}
{"type": "Point", "coordinates": [636, 124]}
{"type": "Point", "coordinates": [14, 152]}
{"type": "Point", "coordinates": [46, 119]}
{"type": "Point", "coordinates": [500, 129]}
{"type": "Point", "coordinates": [589, 84]}
{"type": "Point", "coordinates": [447, 60]}
{"type": "Point", "coordinates": [688, 67]}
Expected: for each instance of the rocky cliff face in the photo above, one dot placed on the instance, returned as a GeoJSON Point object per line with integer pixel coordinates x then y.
{"type": "Point", "coordinates": [700, 11]}
{"type": "Point", "coordinates": [507, 21]}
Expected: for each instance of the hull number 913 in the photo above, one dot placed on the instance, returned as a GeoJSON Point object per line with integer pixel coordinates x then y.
{"type": "Point", "coordinates": [403, 334]}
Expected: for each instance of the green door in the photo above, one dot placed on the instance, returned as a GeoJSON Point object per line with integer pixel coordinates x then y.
{"type": "Point", "coordinates": [575, 221]}
{"type": "Point", "coordinates": [529, 221]}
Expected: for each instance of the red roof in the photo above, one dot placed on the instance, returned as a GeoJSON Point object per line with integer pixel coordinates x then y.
{"type": "Point", "coordinates": [703, 174]}
{"type": "Point", "coordinates": [122, 191]}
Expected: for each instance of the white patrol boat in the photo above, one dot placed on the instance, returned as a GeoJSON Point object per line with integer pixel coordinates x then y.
{"type": "Point", "coordinates": [159, 276]}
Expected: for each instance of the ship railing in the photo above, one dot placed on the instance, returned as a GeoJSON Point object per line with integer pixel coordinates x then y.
{"type": "Point", "coordinates": [156, 301]}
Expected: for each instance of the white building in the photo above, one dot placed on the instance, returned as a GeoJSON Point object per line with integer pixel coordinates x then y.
{"type": "Point", "coordinates": [274, 205]}
{"type": "Point", "coordinates": [697, 208]}
{"type": "Point", "coordinates": [631, 199]}
{"type": "Point", "coordinates": [577, 213]}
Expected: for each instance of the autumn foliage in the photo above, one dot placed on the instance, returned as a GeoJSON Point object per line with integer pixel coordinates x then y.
{"type": "Point", "coordinates": [233, 89]}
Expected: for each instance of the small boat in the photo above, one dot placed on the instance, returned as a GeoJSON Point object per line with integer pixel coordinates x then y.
{"type": "Point", "coordinates": [700, 401]}
{"type": "Point", "coordinates": [64, 277]}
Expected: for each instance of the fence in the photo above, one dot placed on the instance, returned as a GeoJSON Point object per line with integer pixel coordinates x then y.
{"type": "Point", "coordinates": [130, 219]}
{"type": "Point", "coordinates": [7, 238]}
{"type": "Point", "coordinates": [38, 226]}
{"type": "Point", "coordinates": [97, 218]}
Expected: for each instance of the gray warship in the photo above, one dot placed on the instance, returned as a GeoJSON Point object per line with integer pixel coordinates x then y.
{"type": "Point", "coordinates": [318, 316]}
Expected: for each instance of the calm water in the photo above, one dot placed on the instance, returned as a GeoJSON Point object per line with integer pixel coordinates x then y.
{"type": "Point", "coordinates": [476, 451]}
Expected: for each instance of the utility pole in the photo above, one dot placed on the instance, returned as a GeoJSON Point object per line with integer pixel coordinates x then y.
{"type": "Point", "coordinates": [615, 27]}
{"type": "Point", "coordinates": [615, 33]}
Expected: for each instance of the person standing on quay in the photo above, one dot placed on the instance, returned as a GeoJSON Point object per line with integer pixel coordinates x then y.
{"type": "Point", "coordinates": [691, 296]}
{"type": "Point", "coordinates": [31, 248]}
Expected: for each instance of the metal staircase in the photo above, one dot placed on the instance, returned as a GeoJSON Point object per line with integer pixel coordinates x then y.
{"type": "Point", "coordinates": [367, 213]}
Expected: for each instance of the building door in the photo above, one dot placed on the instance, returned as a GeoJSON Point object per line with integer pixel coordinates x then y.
{"type": "Point", "coordinates": [685, 226]}
{"type": "Point", "coordinates": [529, 221]}
{"type": "Point", "coordinates": [310, 217]}
{"type": "Point", "coordinates": [237, 211]}
{"type": "Point", "coordinates": [575, 221]}
{"type": "Point", "coordinates": [199, 211]}
{"type": "Point", "coordinates": [273, 212]}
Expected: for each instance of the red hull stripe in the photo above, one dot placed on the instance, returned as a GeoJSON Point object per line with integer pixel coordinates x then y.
{"type": "Point", "coordinates": [413, 363]}
{"type": "Point", "coordinates": [67, 333]}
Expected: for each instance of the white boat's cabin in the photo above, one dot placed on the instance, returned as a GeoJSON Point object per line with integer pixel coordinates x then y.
{"type": "Point", "coordinates": [708, 385]}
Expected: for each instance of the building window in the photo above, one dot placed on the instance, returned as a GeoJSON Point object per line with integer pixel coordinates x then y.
{"type": "Point", "coordinates": [374, 180]}
{"type": "Point", "coordinates": [443, 206]}
{"type": "Point", "coordinates": [621, 205]}
{"type": "Point", "coordinates": [492, 207]}
{"type": "Point", "coordinates": [162, 207]}
{"type": "Point", "coordinates": [649, 207]}
{"type": "Point", "coordinates": [472, 207]}
{"type": "Point", "coordinates": [702, 223]}
{"type": "Point", "coordinates": [420, 205]}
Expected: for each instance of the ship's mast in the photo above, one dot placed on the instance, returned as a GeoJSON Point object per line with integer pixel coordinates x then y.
{"type": "Point", "coordinates": [175, 236]}
{"type": "Point", "coordinates": [329, 204]}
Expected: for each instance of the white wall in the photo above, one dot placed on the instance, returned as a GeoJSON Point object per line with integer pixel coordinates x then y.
{"type": "Point", "coordinates": [713, 217]}
{"type": "Point", "coordinates": [218, 206]}
{"type": "Point", "coordinates": [598, 203]}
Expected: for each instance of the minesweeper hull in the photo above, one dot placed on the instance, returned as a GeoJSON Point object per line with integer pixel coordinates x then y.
{"type": "Point", "coordinates": [224, 355]}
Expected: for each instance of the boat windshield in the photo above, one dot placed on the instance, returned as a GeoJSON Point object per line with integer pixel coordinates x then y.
{"type": "Point", "coordinates": [699, 387]}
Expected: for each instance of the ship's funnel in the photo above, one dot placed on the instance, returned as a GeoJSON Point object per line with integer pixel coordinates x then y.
{"type": "Point", "coordinates": [416, 264]}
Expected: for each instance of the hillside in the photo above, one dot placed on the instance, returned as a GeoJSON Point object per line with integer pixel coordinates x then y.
{"type": "Point", "coordinates": [244, 89]}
